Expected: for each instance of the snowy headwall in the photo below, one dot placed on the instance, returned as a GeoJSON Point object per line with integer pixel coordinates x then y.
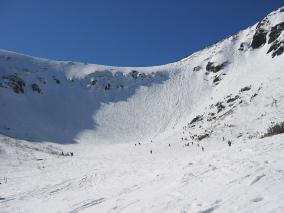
{"type": "Point", "coordinates": [68, 102]}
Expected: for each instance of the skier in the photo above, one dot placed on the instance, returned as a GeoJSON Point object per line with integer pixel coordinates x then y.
{"type": "Point", "coordinates": [151, 152]}
{"type": "Point", "coordinates": [202, 149]}
{"type": "Point", "coordinates": [229, 143]}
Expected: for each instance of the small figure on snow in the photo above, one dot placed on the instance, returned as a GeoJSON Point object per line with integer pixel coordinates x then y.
{"type": "Point", "coordinates": [151, 152]}
{"type": "Point", "coordinates": [202, 149]}
{"type": "Point", "coordinates": [229, 143]}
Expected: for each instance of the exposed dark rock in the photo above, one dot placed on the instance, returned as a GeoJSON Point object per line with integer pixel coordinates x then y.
{"type": "Point", "coordinates": [278, 52]}
{"type": "Point", "coordinates": [275, 32]}
{"type": "Point", "coordinates": [259, 39]}
{"type": "Point", "coordinates": [196, 119]}
{"type": "Point", "coordinates": [16, 83]}
{"type": "Point", "coordinates": [134, 74]}
{"type": "Point", "coordinates": [93, 82]}
{"type": "Point", "coordinates": [215, 68]}
{"type": "Point", "coordinates": [253, 96]}
{"type": "Point", "coordinates": [197, 68]}
{"type": "Point", "coordinates": [240, 135]}
{"type": "Point", "coordinates": [201, 137]}
{"type": "Point", "coordinates": [247, 88]}
{"type": "Point", "coordinates": [36, 88]}
{"type": "Point", "coordinates": [217, 79]}
{"type": "Point", "coordinates": [233, 99]}
{"type": "Point", "coordinates": [274, 46]}
{"type": "Point", "coordinates": [211, 116]}
{"type": "Point", "coordinates": [219, 106]}
{"type": "Point", "coordinates": [277, 47]}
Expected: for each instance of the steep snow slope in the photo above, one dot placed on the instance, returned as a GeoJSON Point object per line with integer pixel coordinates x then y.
{"type": "Point", "coordinates": [66, 102]}
{"type": "Point", "coordinates": [232, 90]}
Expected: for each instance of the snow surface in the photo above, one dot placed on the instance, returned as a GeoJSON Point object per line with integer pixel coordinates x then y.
{"type": "Point", "coordinates": [112, 117]}
{"type": "Point", "coordinates": [247, 177]}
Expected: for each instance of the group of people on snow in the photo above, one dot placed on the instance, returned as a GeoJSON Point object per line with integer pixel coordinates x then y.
{"type": "Point", "coordinates": [187, 144]}
{"type": "Point", "coordinates": [67, 154]}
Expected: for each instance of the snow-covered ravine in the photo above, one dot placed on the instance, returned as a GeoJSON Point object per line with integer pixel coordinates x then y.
{"type": "Point", "coordinates": [147, 139]}
{"type": "Point", "coordinates": [246, 177]}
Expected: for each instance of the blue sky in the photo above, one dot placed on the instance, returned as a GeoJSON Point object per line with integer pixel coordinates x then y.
{"type": "Point", "coordinates": [123, 32]}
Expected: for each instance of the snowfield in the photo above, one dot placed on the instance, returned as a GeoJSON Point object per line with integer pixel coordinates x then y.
{"type": "Point", "coordinates": [147, 139]}
{"type": "Point", "coordinates": [246, 177]}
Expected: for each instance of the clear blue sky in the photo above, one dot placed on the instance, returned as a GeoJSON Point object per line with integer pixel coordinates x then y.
{"type": "Point", "coordinates": [123, 32]}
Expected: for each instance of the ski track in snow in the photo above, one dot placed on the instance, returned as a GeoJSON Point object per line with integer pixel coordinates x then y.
{"type": "Point", "coordinates": [124, 178]}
